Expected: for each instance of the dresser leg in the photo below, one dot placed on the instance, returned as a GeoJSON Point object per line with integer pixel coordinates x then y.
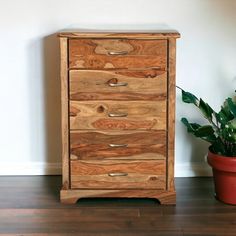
{"type": "Point", "coordinates": [67, 197]}
{"type": "Point", "coordinates": [69, 200]}
{"type": "Point", "coordinates": [168, 198]}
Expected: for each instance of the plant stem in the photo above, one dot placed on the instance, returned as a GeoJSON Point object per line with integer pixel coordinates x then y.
{"type": "Point", "coordinates": [179, 88]}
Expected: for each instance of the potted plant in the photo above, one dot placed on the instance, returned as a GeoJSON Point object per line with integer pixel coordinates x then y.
{"type": "Point", "coordinates": [220, 133]}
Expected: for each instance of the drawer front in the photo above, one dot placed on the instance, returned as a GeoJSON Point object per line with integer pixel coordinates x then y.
{"type": "Point", "coordinates": [117, 53]}
{"type": "Point", "coordinates": [125, 115]}
{"type": "Point", "coordinates": [118, 85]}
{"type": "Point", "coordinates": [92, 145]}
{"type": "Point", "coordinates": [112, 174]}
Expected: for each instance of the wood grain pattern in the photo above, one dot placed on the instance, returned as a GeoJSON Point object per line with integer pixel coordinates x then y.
{"type": "Point", "coordinates": [171, 115]}
{"type": "Point", "coordinates": [64, 112]}
{"type": "Point", "coordinates": [116, 62]}
{"type": "Point", "coordinates": [105, 46]}
{"type": "Point", "coordinates": [95, 53]}
{"type": "Point", "coordinates": [157, 34]}
{"type": "Point", "coordinates": [95, 174]}
{"type": "Point", "coordinates": [95, 145]}
{"type": "Point", "coordinates": [140, 115]}
{"type": "Point", "coordinates": [95, 85]}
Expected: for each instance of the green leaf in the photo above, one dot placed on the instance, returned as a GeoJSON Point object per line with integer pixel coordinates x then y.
{"type": "Point", "coordinates": [210, 138]}
{"type": "Point", "coordinates": [205, 109]}
{"type": "Point", "coordinates": [189, 98]}
{"type": "Point", "coordinates": [221, 117]}
{"type": "Point", "coordinates": [232, 124]}
{"type": "Point", "coordinates": [224, 115]}
{"type": "Point", "coordinates": [191, 127]}
{"type": "Point", "coordinates": [218, 146]}
{"type": "Point", "coordinates": [232, 106]}
{"type": "Point", "coordinates": [229, 131]}
{"type": "Point", "coordinates": [204, 131]}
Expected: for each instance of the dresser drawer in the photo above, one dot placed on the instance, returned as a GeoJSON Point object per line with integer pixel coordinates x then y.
{"type": "Point", "coordinates": [113, 174]}
{"type": "Point", "coordinates": [123, 115]}
{"type": "Point", "coordinates": [117, 53]}
{"type": "Point", "coordinates": [118, 85]}
{"type": "Point", "coordinates": [92, 145]}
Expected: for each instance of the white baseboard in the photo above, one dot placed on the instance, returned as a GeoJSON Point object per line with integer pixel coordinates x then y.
{"type": "Point", "coordinates": [41, 168]}
{"type": "Point", "coordinates": [191, 169]}
{"type": "Point", "coordinates": [30, 168]}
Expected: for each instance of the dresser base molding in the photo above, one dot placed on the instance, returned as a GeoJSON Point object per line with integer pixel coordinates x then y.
{"type": "Point", "coordinates": [69, 196]}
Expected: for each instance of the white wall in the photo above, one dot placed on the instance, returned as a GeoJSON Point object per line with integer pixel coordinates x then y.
{"type": "Point", "coordinates": [29, 56]}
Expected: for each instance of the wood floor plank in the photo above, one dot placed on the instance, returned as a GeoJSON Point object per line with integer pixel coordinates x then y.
{"type": "Point", "coordinates": [30, 206]}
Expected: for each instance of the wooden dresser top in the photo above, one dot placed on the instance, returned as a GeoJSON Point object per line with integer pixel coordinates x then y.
{"type": "Point", "coordinates": [162, 34]}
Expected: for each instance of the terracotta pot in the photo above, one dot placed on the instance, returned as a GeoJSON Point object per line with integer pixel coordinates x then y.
{"type": "Point", "coordinates": [224, 173]}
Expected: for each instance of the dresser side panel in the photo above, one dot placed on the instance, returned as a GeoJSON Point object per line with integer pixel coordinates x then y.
{"type": "Point", "coordinates": [171, 114]}
{"type": "Point", "coordinates": [64, 112]}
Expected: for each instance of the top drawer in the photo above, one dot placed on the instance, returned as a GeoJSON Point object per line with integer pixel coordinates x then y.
{"type": "Point", "coordinates": [117, 53]}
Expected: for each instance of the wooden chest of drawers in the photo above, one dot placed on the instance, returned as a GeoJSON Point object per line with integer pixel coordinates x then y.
{"type": "Point", "coordinates": [118, 114]}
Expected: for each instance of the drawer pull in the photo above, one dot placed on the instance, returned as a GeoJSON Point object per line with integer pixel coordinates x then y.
{"type": "Point", "coordinates": [114, 174]}
{"type": "Point", "coordinates": [117, 84]}
{"type": "Point", "coordinates": [117, 145]}
{"type": "Point", "coordinates": [118, 53]}
{"type": "Point", "coordinates": [117, 114]}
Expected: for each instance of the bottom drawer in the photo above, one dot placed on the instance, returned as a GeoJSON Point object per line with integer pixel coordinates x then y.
{"type": "Point", "coordinates": [117, 174]}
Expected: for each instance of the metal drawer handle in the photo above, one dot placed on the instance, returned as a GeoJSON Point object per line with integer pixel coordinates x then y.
{"type": "Point", "coordinates": [117, 145]}
{"type": "Point", "coordinates": [114, 174]}
{"type": "Point", "coordinates": [117, 114]}
{"type": "Point", "coordinates": [117, 84]}
{"type": "Point", "coordinates": [118, 53]}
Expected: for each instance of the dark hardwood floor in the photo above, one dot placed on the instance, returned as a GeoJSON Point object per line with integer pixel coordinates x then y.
{"type": "Point", "coordinates": [30, 206]}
